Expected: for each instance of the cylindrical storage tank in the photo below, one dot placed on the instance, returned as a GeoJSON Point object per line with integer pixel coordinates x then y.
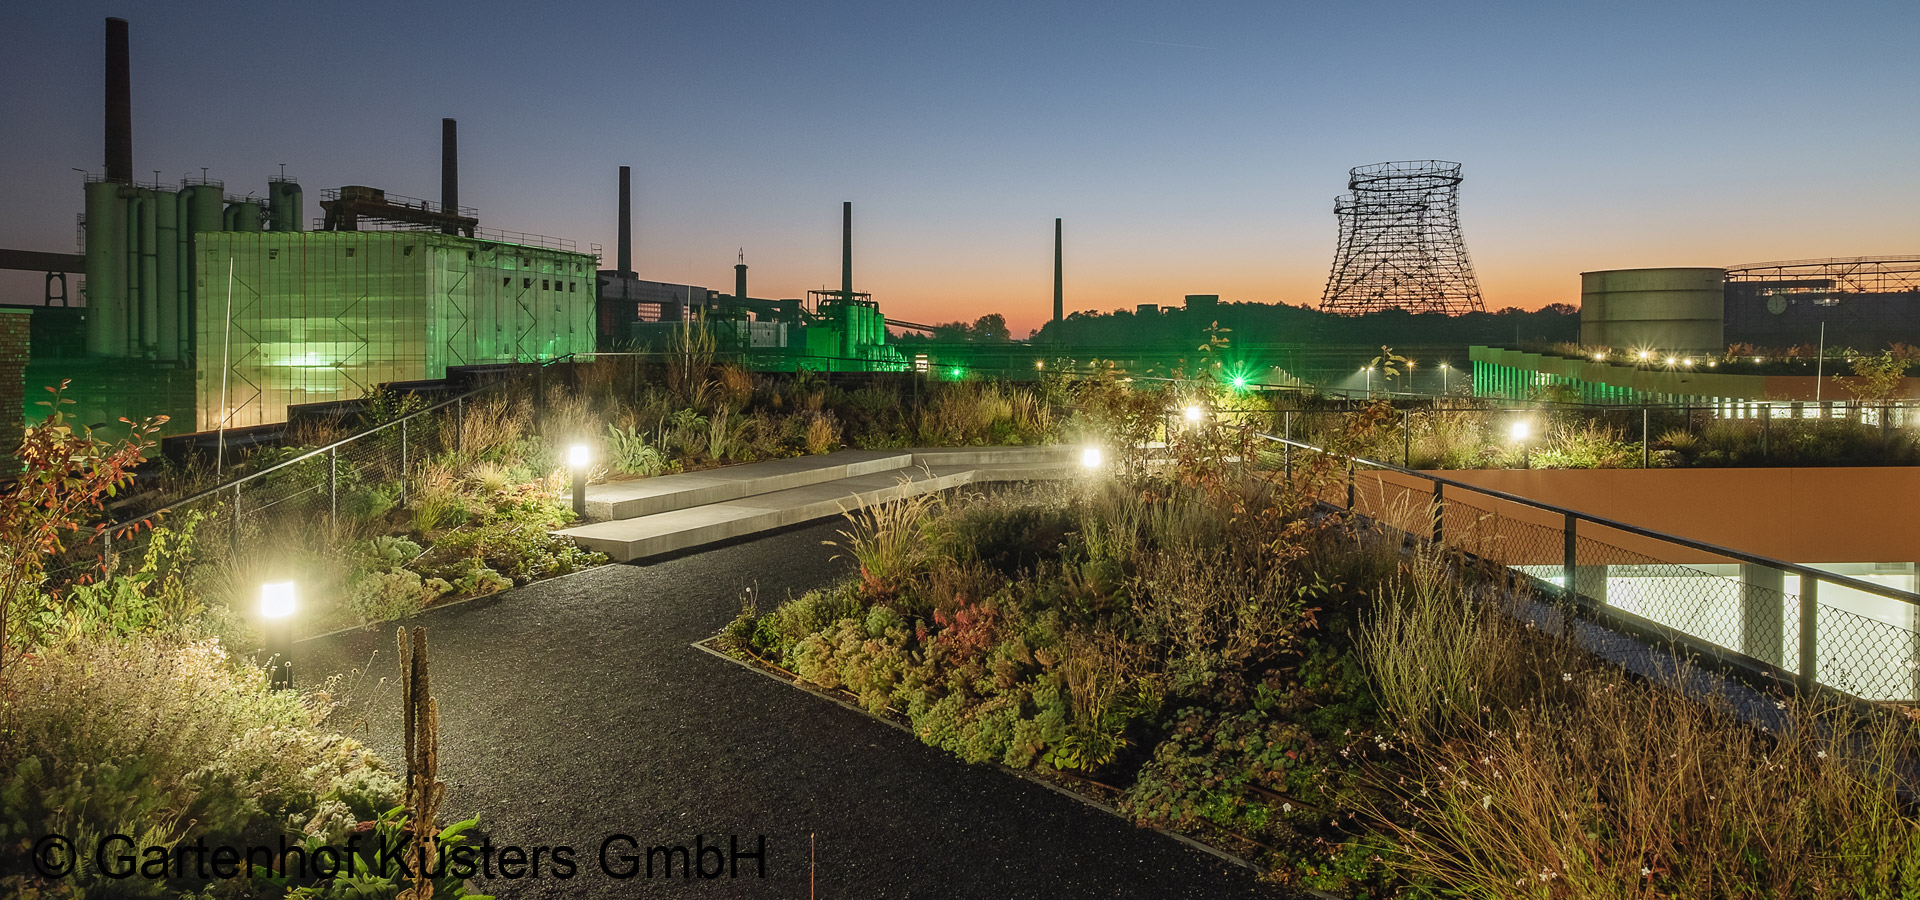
{"type": "Point", "coordinates": [286, 205]}
{"type": "Point", "coordinates": [106, 265]}
{"type": "Point", "coordinates": [251, 215]}
{"type": "Point", "coordinates": [166, 215]}
{"type": "Point", "coordinates": [1677, 310]}
{"type": "Point", "coordinates": [148, 228]}
{"type": "Point", "coordinates": [200, 211]}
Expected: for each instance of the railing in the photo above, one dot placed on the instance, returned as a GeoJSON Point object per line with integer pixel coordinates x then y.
{"type": "Point", "coordinates": [1446, 435]}
{"type": "Point", "coordinates": [1763, 617]}
{"type": "Point", "coordinates": [369, 466]}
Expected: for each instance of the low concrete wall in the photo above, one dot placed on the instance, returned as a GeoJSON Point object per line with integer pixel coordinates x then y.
{"type": "Point", "coordinates": [1809, 515]}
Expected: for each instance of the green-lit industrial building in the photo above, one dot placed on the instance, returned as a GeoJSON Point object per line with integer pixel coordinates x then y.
{"type": "Point", "coordinates": [316, 316]}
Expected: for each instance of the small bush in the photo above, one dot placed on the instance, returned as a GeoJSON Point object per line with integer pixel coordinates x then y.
{"type": "Point", "coordinates": [154, 736]}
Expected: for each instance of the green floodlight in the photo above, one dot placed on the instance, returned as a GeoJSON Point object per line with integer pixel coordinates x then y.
{"type": "Point", "coordinates": [1239, 382]}
{"type": "Point", "coordinates": [959, 373]}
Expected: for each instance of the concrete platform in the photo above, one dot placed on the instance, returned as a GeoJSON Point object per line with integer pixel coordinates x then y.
{"type": "Point", "coordinates": [648, 496]}
{"type": "Point", "coordinates": [674, 529]}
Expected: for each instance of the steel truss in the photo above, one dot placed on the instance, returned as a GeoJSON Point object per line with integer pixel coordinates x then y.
{"type": "Point", "coordinates": [1400, 244]}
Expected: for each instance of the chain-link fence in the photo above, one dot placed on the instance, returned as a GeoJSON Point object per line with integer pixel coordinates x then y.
{"type": "Point", "coordinates": [1770, 618]}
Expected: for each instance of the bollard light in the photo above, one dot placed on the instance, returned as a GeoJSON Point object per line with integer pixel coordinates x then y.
{"type": "Point", "coordinates": [1520, 431]}
{"type": "Point", "coordinates": [1092, 458]}
{"type": "Point", "coordinates": [1039, 363]}
{"type": "Point", "coordinates": [578, 456]}
{"type": "Point", "coordinates": [276, 600]}
{"type": "Point", "coordinates": [276, 607]}
{"type": "Point", "coordinates": [1194, 414]}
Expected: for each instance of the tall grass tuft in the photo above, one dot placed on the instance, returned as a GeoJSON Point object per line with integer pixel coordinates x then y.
{"type": "Point", "coordinates": [889, 541]}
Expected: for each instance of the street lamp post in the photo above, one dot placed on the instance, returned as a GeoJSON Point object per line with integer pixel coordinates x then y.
{"type": "Point", "coordinates": [276, 611]}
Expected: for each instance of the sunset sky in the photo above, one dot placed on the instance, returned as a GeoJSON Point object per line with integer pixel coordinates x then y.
{"type": "Point", "coordinates": [1191, 148]}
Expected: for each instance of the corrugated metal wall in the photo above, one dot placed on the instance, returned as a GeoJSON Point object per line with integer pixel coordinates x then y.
{"type": "Point", "coordinates": [320, 316]}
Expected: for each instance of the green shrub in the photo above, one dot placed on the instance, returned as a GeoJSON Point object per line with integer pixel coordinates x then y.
{"type": "Point", "coordinates": [778, 632]}
{"type": "Point", "coordinates": [386, 596]}
{"type": "Point", "coordinates": [633, 454]}
{"type": "Point", "coordinates": [156, 736]}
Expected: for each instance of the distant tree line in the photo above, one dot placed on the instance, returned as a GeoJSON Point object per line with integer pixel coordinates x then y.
{"type": "Point", "coordinates": [1284, 323]}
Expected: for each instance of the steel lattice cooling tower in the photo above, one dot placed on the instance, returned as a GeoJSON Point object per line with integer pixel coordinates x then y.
{"type": "Point", "coordinates": [1400, 244]}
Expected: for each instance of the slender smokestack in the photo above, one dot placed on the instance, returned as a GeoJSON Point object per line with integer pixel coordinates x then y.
{"type": "Point", "coordinates": [1059, 296]}
{"type": "Point", "coordinates": [450, 170]}
{"type": "Point", "coordinates": [846, 251]}
{"type": "Point", "coordinates": [119, 104]}
{"type": "Point", "coordinates": [740, 281]}
{"type": "Point", "coordinates": [626, 220]}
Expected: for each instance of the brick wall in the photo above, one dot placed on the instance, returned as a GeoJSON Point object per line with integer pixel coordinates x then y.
{"type": "Point", "coordinates": [15, 331]}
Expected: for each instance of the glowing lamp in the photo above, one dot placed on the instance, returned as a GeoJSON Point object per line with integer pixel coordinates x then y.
{"type": "Point", "coordinates": [1194, 413]}
{"type": "Point", "coordinates": [579, 455]}
{"type": "Point", "coordinates": [1520, 430]}
{"type": "Point", "coordinates": [276, 600]}
{"type": "Point", "coordinates": [1092, 458]}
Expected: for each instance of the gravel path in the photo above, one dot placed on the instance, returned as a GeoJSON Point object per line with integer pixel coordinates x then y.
{"type": "Point", "coordinates": [575, 710]}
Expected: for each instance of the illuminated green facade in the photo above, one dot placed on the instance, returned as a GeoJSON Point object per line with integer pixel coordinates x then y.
{"type": "Point", "coordinates": [316, 316]}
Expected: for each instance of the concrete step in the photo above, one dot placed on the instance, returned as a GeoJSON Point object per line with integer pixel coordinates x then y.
{"type": "Point", "coordinates": [973, 456]}
{"type": "Point", "coordinates": [665, 493]}
{"type": "Point", "coordinates": [626, 540]}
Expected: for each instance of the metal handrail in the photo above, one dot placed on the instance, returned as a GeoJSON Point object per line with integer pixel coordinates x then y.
{"type": "Point", "coordinates": [1702, 546]}
{"type": "Point", "coordinates": [234, 483]}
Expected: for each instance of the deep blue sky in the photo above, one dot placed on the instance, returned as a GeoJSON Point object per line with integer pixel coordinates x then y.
{"type": "Point", "coordinates": [1190, 147]}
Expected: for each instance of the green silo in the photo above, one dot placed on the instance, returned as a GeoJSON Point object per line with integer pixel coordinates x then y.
{"type": "Point", "coordinates": [106, 264]}
{"type": "Point", "coordinates": [166, 206]}
{"type": "Point", "coordinates": [285, 206]}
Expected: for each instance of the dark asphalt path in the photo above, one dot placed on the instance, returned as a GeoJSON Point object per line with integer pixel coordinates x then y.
{"type": "Point", "coordinates": [575, 709]}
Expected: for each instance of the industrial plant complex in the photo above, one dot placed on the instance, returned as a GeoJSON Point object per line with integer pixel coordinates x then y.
{"type": "Point", "coordinates": [226, 310]}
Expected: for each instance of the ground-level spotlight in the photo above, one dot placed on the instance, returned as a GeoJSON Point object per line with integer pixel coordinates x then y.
{"type": "Point", "coordinates": [1194, 414]}
{"type": "Point", "coordinates": [1039, 363]}
{"type": "Point", "coordinates": [1092, 458]}
{"type": "Point", "coordinates": [578, 456]}
{"type": "Point", "coordinates": [276, 608]}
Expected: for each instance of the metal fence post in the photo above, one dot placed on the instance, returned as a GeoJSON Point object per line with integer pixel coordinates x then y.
{"type": "Point", "coordinates": [459, 425]}
{"type": "Point", "coordinates": [233, 534]}
{"type": "Point", "coordinates": [333, 488]}
{"type": "Point", "coordinates": [1571, 563]}
{"type": "Point", "coordinates": [1646, 455]}
{"type": "Point", "coordinates": [1766, 432]}
{"type": "Point", "coordinates": [1809, 632]}
{"type": "Point", "coordinates": [1286, 431]}
{"type": "Point", "coordinates": [1406, 438]}
{"type": "Point", "coordinates": [1439, 512]}
{"type": "Point", "coordinates": [403, 462]}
